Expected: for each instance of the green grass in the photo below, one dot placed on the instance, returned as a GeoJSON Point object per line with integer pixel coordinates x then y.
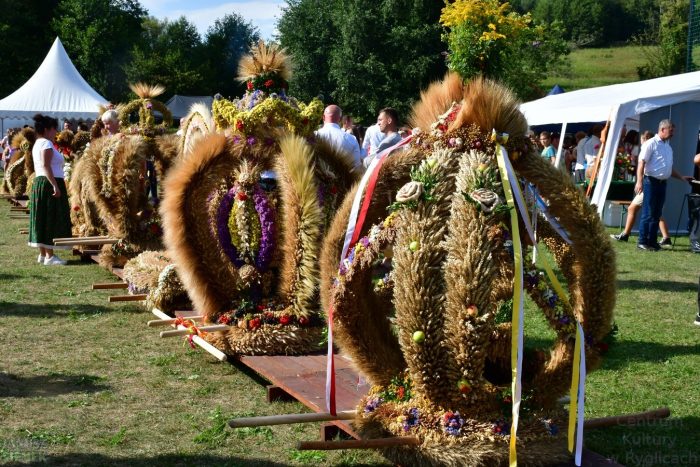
{"type": "Point", "coordinates": [87, 383]}
{"type": "Point", "coordinates": [587, 68]}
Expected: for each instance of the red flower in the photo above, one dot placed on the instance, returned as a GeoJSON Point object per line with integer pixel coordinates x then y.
{"type": "Point", "coordinates": [285, 319]}
{"type": "Point", "coordinates": [242, 196]}
{"type": "Point", "coordinates": [305, 120]}
{"type": "Point", "coordinates": [269, 83]}
{"type": "Point", "coordinates": [334, 190]}
{"type": "Point", "coordinates": [76, 208]}
{"type": "Point", "coordinates": [400, 392]}
{"type": "Point", "coordinates": [254, 323]}
{"type": "Point", "coordinates": [239, 125]}
{"type": "Point", "coordinates": [249, 85]}
{"type": "Point", "coordinates": [303, 321]}
{"type": "Point", "coordinates": [223, 319]}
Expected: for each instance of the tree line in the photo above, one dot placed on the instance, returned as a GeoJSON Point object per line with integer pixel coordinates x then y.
{"type": "Point", "coordinates": [361, 54]}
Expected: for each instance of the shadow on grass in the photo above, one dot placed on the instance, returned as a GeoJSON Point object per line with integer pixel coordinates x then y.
{"type": "Point", "coordinates": [50, 310]}
{"type": "Point", "coordinates": [36, 457]}
{"type": "Point", "coordinates": [48, 385]}
{"type": "Point", "coordinates": [670, 441]}
{"type": "Point", "coordinates": [664, 286]}
{"type": "Point", "coordinates": [622, 353]}
{"type": "Point", "coordinates": [9, 277]}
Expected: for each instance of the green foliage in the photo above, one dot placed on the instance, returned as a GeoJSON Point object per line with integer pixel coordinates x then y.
{"type": "Point", "coordinates": [99, 36]}
{"type": "Point", "coordinates": [307, 457]}
{"type": "Point", "coordinates": [24, 41]}
{"type": "Point", "coordinates": [363, 55]}
{"type": "Point", "coordinates": [168, 54]}
{"type": "Point", "coordinates": [669, 58]}
{"type": "Point", "coordinates": [217, 433]}
{"type": "Point", "coordinates": [227, 40]}
{"type": "Point", "coordinates": [52, 437]}
{"type": "Point", "coordinates": [486, 38]}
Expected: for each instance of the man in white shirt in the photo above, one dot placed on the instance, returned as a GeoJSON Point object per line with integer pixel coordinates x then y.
{"type": "Point", "coordinates": [388, 124]}
{"type": "Point", "coordinates": [580, 167]}
{"type": "Point", "coordinates": [654, 168]}
{"type": "Point", "coordinates": [373, 136]}
{"type": "Point", "coordinates": [591, 148]}
{"type": "Point", "coordinates": [336, 137]}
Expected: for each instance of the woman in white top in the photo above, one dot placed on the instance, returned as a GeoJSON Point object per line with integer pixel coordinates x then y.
{"type": "Point", "coordinates": [49, 214]}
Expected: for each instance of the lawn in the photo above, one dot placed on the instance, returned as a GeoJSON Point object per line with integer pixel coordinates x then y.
{"type": "Point", "coordinates": [87, 383]}
{"type": "Point", "coordinates": [586, 68]}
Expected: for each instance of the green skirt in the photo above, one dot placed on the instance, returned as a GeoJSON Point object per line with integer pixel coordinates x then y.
{"type": "Point", "coordinates": [49, 217]}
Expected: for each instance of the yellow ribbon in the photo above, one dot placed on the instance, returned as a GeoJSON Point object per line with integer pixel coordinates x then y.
{"type": "Point", "coordinates": [573, 393]}
{"type": "Point", "coordinates": [516, 334]}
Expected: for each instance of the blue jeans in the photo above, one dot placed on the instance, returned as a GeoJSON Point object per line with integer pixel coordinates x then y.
{"type": "Point", "coordinates": [654, 197]}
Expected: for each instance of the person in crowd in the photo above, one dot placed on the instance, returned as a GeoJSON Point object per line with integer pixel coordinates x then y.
{"type": "Point", "coordinates": [548, 151]}
{"type": "Point", "coordinates": [82, 126]}
{"type": "Point", "coordinates": [694, 208]}
{"type": "Point", "coordinates": [8, 150]}
{"type": "Point", "coordinates": [634, 209]}
{"type": "Point", "coordinates": [67, 125]}
{"type": "Point", "coordinates": [338, 138]}
{"type": "Point", "coordinates": [373, 136]}
{"type": "Point", "coordinates": [346, 123]}
{"type": "Point", "coordinates": [110, 120]}
{"type": "Point", "coordinates": [388, 123]}
{"type": "Point", "coordinates": [49, 215]}
{"type": "Point", "coordinates": [580, 166]}
{"type": "Point", "coordinates": [591, 148]}
{"type": "Point", "coordinates": [654, 167]}
{"type": "Point", "coordinates": [534, 139]}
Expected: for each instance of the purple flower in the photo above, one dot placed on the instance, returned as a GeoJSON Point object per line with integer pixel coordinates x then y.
{"type": "Point", "coordinates": [532, 279]}
{"type": "Point", "coordinates": [223, 234]}
{"type": "Point", "coordinates": [452, 423]}
{"type": "Point", "coordinates": [364, 241]}
{"type": "Point", "coordinates": [372, 404]}
{"type": "Point", "coordinates": [251, 140]}
{"type": "Point", "coordinates": [564, 319]}
{"type": "Point", "coordinates": [267, 228]}
{"type": "Point", "coordinates": [412, 418]}
{"type": "Point", "coordinates": [236, 139]}
{"type": "Point", "coordinates": [552, 300]}
{"type": "Point", "coordinates": [269, 141]}
{"type": "Point", "coordinates": [149, 105]}
{"type": "Point", "coordinates": [342, 269]}
{"type": "Point", "coordinates": [551, 428]}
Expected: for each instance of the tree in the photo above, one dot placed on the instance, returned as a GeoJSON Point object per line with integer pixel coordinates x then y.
{"type": "Point", "coordinates": [486, 38]}
{"type": "Point", "coordinates": [308, 33]}
{"type": "Point", "coordinates": [363, 54]}
{"type": "Point", "coordinates": [99, 36]}
{"type": "Point", "coordinates": [669, 56]}
{"type": "Point", "coordinates": [170, 54]}
{"type": "Point", "coordinates": [226, 42]}
{"type": "Point", "coordinates": [24, 44]}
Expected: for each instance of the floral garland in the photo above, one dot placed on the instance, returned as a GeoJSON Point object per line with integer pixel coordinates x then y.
{"type": "Point", "coordinates": [106, 165]}
{"type": "Point", "coordinates": [268, 82]}
{"type": "Point", "coordinates": [271, 112]}
{"type": "Point", "coordinates": [242, 242]}
{"type": "Point", "coordinates": [251, 316]}
{"type": "Point", "coordinates": [124, 248]}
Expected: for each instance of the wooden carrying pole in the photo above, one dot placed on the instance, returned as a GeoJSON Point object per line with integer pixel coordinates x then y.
{"type": "Point", "coordinates": [164, 322]}
{"type": "Point", "coordinates": [289, 419]}
{"type": "Point", "coordinates": [127, 298]}
{"type": "Point", "coordinates": [376, 443]}
{"type": "Point", "coordinates": [88, 242]}
{"type": "Point", "coordinates": [185, 331]}
{"type": "Point", "coordinates": [216, 353]}
{"type": "Point", "coordinates": [62, 239]}
{"type": "Point", "coordinates": [109, 285]}
{"type": "Point", "coordinates": [629, 419]}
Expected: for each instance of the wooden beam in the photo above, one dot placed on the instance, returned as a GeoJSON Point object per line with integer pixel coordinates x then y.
{"type": "Point", "coordinates": [165, 322]}
{"type": "Point", "coordinates": [216, 353]}
{"type": "Point", "coordinates": [109, 285]}
{"type": "Point", "coordinates": [60, 239]}
{"type": "Point", "coordinates": [24, 231]}
{"type": "Point", "coordinates": [184, 331]}
{"type": "Point", "coordinates": [88, 242]}
{"type": "Point", "coordinates": [376, 443]}
{"type": "Point", "coordinates": [127, 298]}
{"type": "Point", "coordinates": [289, 419]}
{"type": "Point", "coordinates": [629, 419]}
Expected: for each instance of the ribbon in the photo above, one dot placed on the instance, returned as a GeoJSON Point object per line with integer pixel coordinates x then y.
{"type": "Point", "coordinates": [355, 222]}
{"type": "Point", "coordinates": [577, 395]}
{"type": "Point", "coordinates": [191, 327]}
{"type": "Point", "coordinates": [542, 206]}
{"type": "Point", "coordinates": [516, 358]}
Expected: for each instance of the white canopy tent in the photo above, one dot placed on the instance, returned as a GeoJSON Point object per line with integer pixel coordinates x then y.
{"type": "Point", "coordinates": [55, 89]}
{"type": "Point", "coordinates": [675, 97]}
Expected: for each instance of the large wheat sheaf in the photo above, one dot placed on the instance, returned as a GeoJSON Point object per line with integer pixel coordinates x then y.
{"type": "Point", "coordinates": [432, 331]}
{"type": "Point", "coordinates": [246, 249]}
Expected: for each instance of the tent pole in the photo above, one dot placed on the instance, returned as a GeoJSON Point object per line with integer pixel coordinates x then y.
{"type": "Point", "coordinates": [561, 145]}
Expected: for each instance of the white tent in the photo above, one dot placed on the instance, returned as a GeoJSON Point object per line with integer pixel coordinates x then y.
{"type": "Point", "coordinates": [55, 89]}
{"type": "Point", "coordinates": [180, 105]}
{"type": "Point", "coordinates": [672, 97]}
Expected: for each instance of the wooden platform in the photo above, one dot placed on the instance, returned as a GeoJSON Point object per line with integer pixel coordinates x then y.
{"type": "Point", "coordinates": [304, 378]}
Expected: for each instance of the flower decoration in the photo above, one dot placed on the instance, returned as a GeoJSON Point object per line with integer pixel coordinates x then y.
{"type": "Point", "coordinates": [410, 419]}
{"type": "Point", "coordinates": [452, 423]}
{"type": "Point", "coordinates": [411, 191]}
{"type": "Point", "coordinates": [372, 404]}
{"type": "Point", "coordinates": [487, 199]}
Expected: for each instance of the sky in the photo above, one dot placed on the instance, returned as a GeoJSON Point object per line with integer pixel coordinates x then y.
{"type": "Point", "coordinates": [262, 14]}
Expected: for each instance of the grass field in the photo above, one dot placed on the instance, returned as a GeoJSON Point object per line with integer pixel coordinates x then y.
{"type": "Point", "coordinates": [86, 383]}
{"type": "Point", "coordinates": [588, 68]}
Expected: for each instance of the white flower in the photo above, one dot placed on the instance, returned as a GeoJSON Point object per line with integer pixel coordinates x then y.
{"type": "Point", "coordinates": [487, 199]}
{"type": "Point", "coordinates": [409, 192]}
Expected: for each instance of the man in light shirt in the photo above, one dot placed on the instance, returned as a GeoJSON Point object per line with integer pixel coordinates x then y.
{"type": "Point", "coordinates": [373, 136]}
{"type": "Point", "coordinates": [336, 137]}
{"type": "Point", "coordinates": [388, 124]}
{"type": "Point", "coordinates": [654, 168]}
